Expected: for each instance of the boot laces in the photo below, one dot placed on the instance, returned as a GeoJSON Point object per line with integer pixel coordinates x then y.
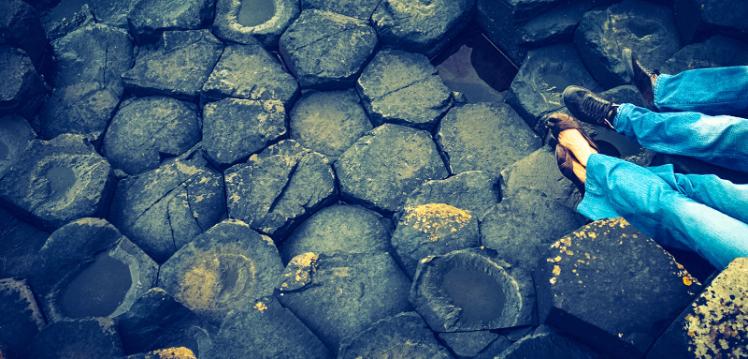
{"type": "Point", "coordinates": [596, 109]}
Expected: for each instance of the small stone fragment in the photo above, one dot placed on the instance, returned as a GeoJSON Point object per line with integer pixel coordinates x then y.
{"type": "Point", "coordinates": [59, 180]}
{"type": "Point", "coordinates": [246, 21]}
{"type": "Point", "coordinates": [404, 335]}
{"type": "Point", "coordinates": [484, 137]}
{"type": "Point", "coordinates": [403, 87]}
{"type": "Point", "coordinates": [20, 317]}
{"type": "Point", "coordinates": [148, 17]}
{"type": "Point", "coordinates": [177, 65]}
{"type": "Point", "coordinates": [235, 128]}
{"type": "Point", "coordinates": [266, 330]}
{"type": "Point", "coordinates": [279, 186]}
{"type": "Point", "coordinates": [23, 89]}
{"type": "Point", "coordinates": [388, 163]}
{"type": "Point", "coordinates": [222, 270]}
{"type": "Point", "coordinates": [147, 128]}
{"type": "Point", "coordinates": [469, 290]}
{"type": "Point", "coordinates": [77, 339]}
{"type": "Point", "coordinates": [327, 50]}
{"type": "Point", "coordinates": [329, 122]}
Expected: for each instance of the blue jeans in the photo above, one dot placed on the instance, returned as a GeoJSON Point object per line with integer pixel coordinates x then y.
{"type": "Point", "coordinates": [702, 213]}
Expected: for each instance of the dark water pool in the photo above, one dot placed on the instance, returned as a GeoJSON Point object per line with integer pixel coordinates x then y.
{"type": "Point", "coordinates": [97, 290]}
{"type": "Point", "coordinates": [255, 12]}
{"type": "Point", "coordinates": [477, 293]}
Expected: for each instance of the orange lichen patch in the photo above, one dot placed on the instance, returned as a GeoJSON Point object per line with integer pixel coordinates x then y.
{"type": "Point", "coordinates": [299, 271]}
{"type": "Point", "coordinates": [174, 353]}
{"type": "Point", "coordinates": [437, 220]}
{"type": "Point", "coordinates": [687, 280]}
{"type": "Point", "coordinates": [261, 307]}
{"type": "Point", "coordinates": [556, 270]}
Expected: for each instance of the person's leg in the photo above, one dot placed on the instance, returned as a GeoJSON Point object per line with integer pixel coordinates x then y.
{"type": "Point", "coordinates": [720, 140]}
{"type": "Point", "coordinates": [713, 91]}
{"type": "Point", "coordinates": [618, 188]}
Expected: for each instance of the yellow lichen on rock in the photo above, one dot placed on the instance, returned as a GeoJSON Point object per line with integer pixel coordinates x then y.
{"type": "Point", "coordinates": [173, 353]}
{"type": "Point", "coordinates": [199, 285]}
{"type": "Point", "coordinates": [261, 307]}
{"type": "Point", "coordinates": [436, 219]}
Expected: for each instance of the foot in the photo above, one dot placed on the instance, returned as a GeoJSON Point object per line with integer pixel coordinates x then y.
{"type": "Point", "coordinates": [589, 107]}
{"type": "Point", "coordinates": [644, 79]}
{"type": "Point", "coordinates": [577, 144]}
{"type": "Point", "coordinates": [570, 167]}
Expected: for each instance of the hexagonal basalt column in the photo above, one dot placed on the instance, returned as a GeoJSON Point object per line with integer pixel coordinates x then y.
{"type": "Point", "coordinates": [611, 287]}
{"type": "Point", "coordinates": [88, 269]}
{"type": "Point", "coordinates": [149, 17]}
{"type": "Point", "coordinates": [470, 290]}
{"type": "Point", "coordinates": [163, 209]}
{"type": "Point", "coordinates": [59, 180]}
{"type": "Point", "coordinates": [404, 335]}
{"type": "Point", "coordinates": [388, 163]}
{"type": "Point", "coordinates": [244, 21]}
{"type": "Point", "coordinates": [327, 50]}
{"type": "Point", "coordinates": [20, 317]}
{"type": "Point", "coordinates": [340, 295]}
{"type": "Point", "coordinates": [279, 186]}
{"type": "Point", "coordinates": [223, 269]}
{"type": "Point", "coordinates": [484, 137]}
{"type": "Point", "coordinates": [403, 87]}
{"type": "Point", "coordinates": [266, 330]}
{"type": "Point", "coordinates": [642, 26]}
{"type": "Point", "coordinates": [329, 122]}
{"type": "Point", "coordinates": [75, 339]}
{"type": "Point", "coordinates": [235, 128]}
{"type": "Point", "coordinates": [145, 129]}
{"type": "Point", "coordinates": [421, 26]}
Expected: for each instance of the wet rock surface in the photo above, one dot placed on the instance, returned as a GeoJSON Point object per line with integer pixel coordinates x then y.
{"type": "Point", "coordinates": [20, 316]}
{"type": "Point", "coordinates": [339, 229]}
{"type": "Point", "coordinates": [325, 50]}
{"type": "Point", "coordinates": [244, 21]}
{"type": "Point", "coordinates": [404, 335]}
{"type": "Point", "coordinates": [146, 129]}
{"type": "Point", "coordinates": [222, 270]}
{"type": "Point", "coordinates": [484, 137]}
{"type": "Point", "coordinates": [423, 26]}
{"type": "Point", "coordinates": [338, 296]}
{"type": "Point", "coordinates": [329, 122]}
{"type": "Point", "coordinates": [163, 209]}
{"type": "Point", "coordinates": [403, 87]}
{"type": "Point", "coordinates": [148, 17]}
{"type": "Point", "coordinates": [58, 180]}
{"type": "Point", "coordinates": [249, 71]}
{"type": "Point", "coordinates": [646, 301]}
{"type": "Point", "coordinates": [469, 290]}
{"type": "Point", "coordinates": [266, 329]}
{"type": "Point", "coordinates": [23, 85]}
{"type": "Point", "coordinates": [279, 186]}
{"type": "Point", "coordinates": [79, 339]}
{"type": "Point", "coordinates": [235, 128]}
{"type": "Point", "coordinates": [177, 65]}
{"type": "Point", "coordinates": [387, 164]}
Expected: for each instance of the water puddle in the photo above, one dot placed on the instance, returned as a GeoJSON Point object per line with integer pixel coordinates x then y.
{"type": "Point", "coordinates": [60, 180]}
{"type": "Point", "coordinates": [474, 66]}
{"type": "Point", "coordinates": [473, 290]}
{"type": "Point", "coordinates": [255, 12]}
{"type": "Point", "coordinates": [97, 290]}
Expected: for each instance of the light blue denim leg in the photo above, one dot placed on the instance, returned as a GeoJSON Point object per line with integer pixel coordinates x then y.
{"type": "Point", "coordinates": [720, 140]}
{"type": "Point", "coordinates": [713, 91]}
{"type": "Point", "coordinates": [618, 188]}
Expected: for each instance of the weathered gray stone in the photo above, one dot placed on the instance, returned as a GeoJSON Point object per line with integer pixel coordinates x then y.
{"type": "Point", "coordinates": [329, 122]}
{"type": "Point", "coordinates": [339, 229]}
{"type": "Point", "coordinates": [545, 343]}
{"type": "Point", "coordinates": [266, 330]}
{"type": "Point", "coordinates": [556, 25]}
{"type": "Point", "coordinates": [695, 17]}
{"type": "Point", "coordinates": [484, 137]}
{"type": "Point", "coordinates": [19, 245]}
{"type": "Point", "coordinates": [398, 86]}
{"type": "Point", "coordinates": [714, 324]}
{"type": "Point", "coordinates": [279, 186]}
{"type": "Point", "coordinates": [626, 318]}
{"type": "Point", "coordinates": [404, 335]}
{"type": "Point", "coordinates": [235, 128]}
{"type": "Point", "coordinates": [20, 27]}
{"type": "Point", "coordinates": [20, 317]}
{"type": "Point", "coordinates": [15, 135]}
{"type": "Point", "coordinates": [77, 339]}
{"type": "Point", "coordinates": [338, 296]}
{"type": "Point", "coordinates": [250, 72]}
{"type": "Point", "coordinates": [388, 163]}
{"type": "Point", "coordinates": [542, 79]}
{"type": "Point", "coordinates": [148, 17]}
{"type": "Point", "coordinates": [716, 51]}
{"type": "Point", "coordinates": [65, 17]}
{"type": "Point", "coordinates": [327, 50]}
{"type": "Point", "coordinates": [246, 21]}
{"type": "Point", "coordinates": [645, 28]}
{"type": "Point", "coordinates": [58, 180]}
{"type": "Point", "coordinates": [361, 9]}
{"type": "Point", "coordinates": [471, 289]}
{"type": "Point", "coordinates": [421, 26]}
{"type": "Point", "coordinates": [145, 129]}
{"type": "Point", "coordinates": [23, 89]}
{"type": "Point", "coordinates": [89, 63]}
{"type": "Point", "coordinates": [113, 12]}
{"type": "Point", "coordinates": [222, 270]}
{"type": "Point", "coordinates": [177, 65]}
{"type": "Point", "coordinates": [164, 208]}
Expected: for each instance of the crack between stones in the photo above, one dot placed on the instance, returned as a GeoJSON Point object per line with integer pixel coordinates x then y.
{"type": "Point", "coordinates": [390, 92]}
{"type": "Point", "coordinates": [169, 192]}
{"type": "Point", "coordinates": [189, 206]}
{"type": "Point", "coordinates": [283, 190]}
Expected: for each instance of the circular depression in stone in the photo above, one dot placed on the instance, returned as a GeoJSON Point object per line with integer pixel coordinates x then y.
{"type": "Point", "coordinates": [478, 294]}
{"type": "Point", "coordinates": [255, 12]}
{"type": "Point", "coordinates": [60, 179]}
{"type": "Point", "coordinates": [97, 290]}
{"type": "Point", "coordinates": [218, 280]}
